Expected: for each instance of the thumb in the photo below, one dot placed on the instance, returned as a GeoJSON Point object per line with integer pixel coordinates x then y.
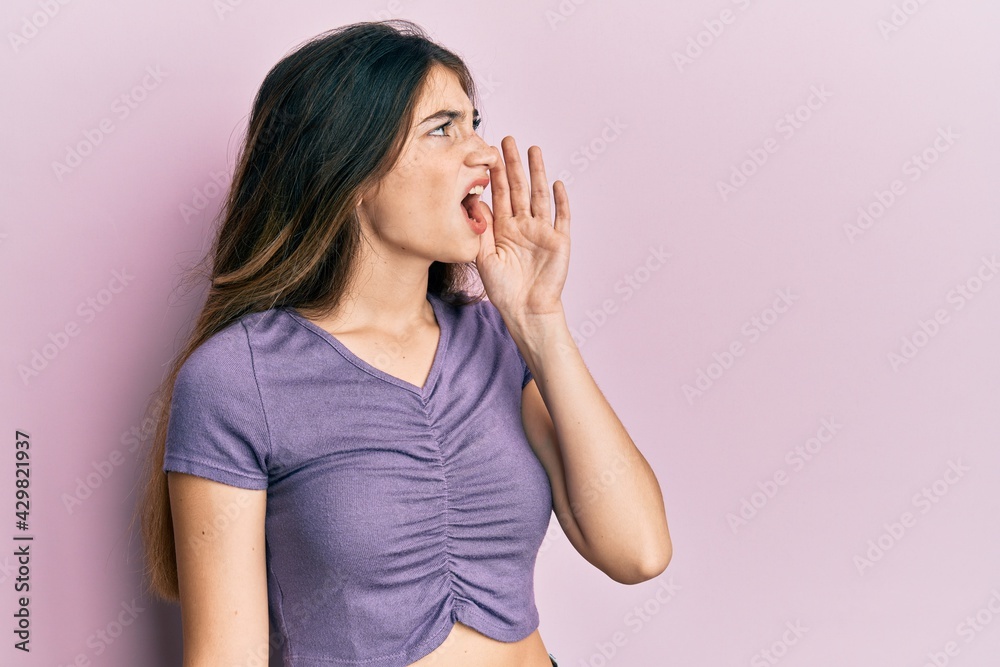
{"type": "Point", "coordinates": [485, 211]}
{"type": "Point", "coordinates": [487, 244]}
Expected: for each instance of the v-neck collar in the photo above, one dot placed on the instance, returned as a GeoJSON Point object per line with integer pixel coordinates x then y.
{"type": "Point", "coordinates": [442, 346]}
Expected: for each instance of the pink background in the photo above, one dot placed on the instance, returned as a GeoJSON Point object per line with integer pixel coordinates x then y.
{"type": "Point", "coordinates": [667, 276]}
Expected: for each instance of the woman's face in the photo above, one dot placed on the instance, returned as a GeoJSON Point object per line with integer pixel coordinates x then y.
{"type": "Point", "coordinates": [418, 206]}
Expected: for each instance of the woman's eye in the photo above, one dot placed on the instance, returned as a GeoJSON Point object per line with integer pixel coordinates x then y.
{"type": "Point", "coordinates": [448, 124]}
{"type": "Point", "coordinates": [434, 132]}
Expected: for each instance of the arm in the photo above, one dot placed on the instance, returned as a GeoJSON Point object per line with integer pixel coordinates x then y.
{"type": "Point", "coordinates": [219, 536]}
{"type": "Point", "coordinates": [605, 494]}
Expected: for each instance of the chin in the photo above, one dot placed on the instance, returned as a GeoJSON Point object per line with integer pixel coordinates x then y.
{"type": "Point", "coordinates": [467, 254]}
{"type": "Point", "coordinates": [452, 251]}
{"type": "Point", "coordinates": [464, 245]}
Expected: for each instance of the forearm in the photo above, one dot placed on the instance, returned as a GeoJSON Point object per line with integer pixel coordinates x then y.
{"type": "Point", "coordinates": [614, 495]}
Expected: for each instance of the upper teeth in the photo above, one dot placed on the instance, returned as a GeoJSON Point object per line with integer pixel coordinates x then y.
{"type": "Point", "coordinates": [476, 190]}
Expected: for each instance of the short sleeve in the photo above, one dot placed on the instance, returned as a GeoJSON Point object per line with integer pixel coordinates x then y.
{"type": "Point", "coordinates": [217, 426]}
{"type": "Point", "coordinates": [496, 319]}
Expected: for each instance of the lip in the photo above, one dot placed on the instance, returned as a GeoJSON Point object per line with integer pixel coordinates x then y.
{"type": "Point", "coordinates": [479, 181]}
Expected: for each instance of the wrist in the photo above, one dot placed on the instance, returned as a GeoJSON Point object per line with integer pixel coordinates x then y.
{"type": "Point", "coordinates": [524, 326]}
{"type": "Point", "coordinates": [539, 336]}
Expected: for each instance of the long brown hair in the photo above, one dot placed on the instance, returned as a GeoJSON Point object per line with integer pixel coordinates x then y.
{"type": "Point", "coordinates": [329, 121]}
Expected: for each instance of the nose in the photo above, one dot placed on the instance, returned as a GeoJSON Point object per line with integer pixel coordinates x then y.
{"type": "Point", "coordinates": [482, 154]}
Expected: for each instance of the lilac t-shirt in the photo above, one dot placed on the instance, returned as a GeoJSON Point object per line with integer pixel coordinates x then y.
{"type": "Point", "coordinates": [392, 510]}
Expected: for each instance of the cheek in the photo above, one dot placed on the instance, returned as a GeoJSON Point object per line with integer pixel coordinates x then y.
{"type": "Point", "coordinates": [433, 201]}
{"type": "Point", "coordinates": [423, 214]}
{"type": "Point", "coordinates": [422, 198]}
{"type": "Point", "coordinates": [425, 208]}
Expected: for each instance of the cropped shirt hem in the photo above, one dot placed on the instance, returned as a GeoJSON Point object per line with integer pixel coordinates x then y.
{"type": "Point", "coordinates": [466, 612]}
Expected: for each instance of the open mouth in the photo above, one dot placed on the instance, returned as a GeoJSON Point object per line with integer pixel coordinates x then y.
{"type": "Point", "coordinates": [470, 206]}
{"type": "Point", "coordinates": [474, 214]}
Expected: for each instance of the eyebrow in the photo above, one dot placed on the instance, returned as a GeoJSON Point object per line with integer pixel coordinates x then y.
{"type": "Point", "coordinates": [451, 114]}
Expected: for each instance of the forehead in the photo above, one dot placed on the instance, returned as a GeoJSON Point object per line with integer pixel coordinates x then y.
{"type": "Point", "coordinates": [442, 90]}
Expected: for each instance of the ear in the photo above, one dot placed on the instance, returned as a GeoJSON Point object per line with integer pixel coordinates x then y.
{"type": "Point", "coordinates": [367, 193]}
{"type": "Point", "coordinates": [362, 206]}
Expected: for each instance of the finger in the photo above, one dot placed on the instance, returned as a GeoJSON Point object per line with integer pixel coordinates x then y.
{"type": "Point", "coordinates": [520, 202]}
{"type": "Point", "coordinates": [499, 189]}
{"type": "Point", "coordinates": [562, 207]}
{"type": "Point", "coordinates": [484, 210]}
{"type": "Point", "coordinates": [487, 242]}
{"type": "Point", "coordinates": [540, 205]}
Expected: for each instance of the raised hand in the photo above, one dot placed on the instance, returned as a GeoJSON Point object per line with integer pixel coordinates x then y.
{"type": "Point", "coordinates": [524, 254]}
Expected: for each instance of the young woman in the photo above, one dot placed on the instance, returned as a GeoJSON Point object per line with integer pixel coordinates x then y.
{"type": "Point", "coordinates": [356, 459]}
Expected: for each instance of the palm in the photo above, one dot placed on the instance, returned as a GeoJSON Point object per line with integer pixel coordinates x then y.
{"type": "Point", "coordinates": [523, 255]}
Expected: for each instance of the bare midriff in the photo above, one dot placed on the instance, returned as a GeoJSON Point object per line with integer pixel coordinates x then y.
{"type": "Point", "coordinates": [466, 647]}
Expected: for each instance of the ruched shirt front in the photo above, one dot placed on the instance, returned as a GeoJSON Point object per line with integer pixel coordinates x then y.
{"type": "Point", "coordinates": [393, 510]}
